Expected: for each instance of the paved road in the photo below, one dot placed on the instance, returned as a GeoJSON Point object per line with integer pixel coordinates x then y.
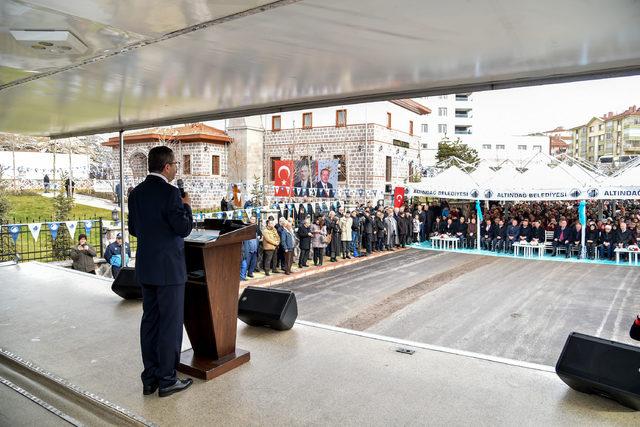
{"type": "Point", "coordinates": [519, 309]}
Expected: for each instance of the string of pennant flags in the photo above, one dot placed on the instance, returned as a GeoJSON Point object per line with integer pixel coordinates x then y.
{"type": "Point", "coordinates": [290, 208]}
{"type": "Point", "coordinates": [72, 226]}
{"type": "Point", "coordinates": [53, 227]}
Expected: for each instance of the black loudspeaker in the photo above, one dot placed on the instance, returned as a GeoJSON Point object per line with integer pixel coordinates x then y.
{"type": "Point", "coordinates": [125, 284]}
{"type": "Point", "coordinates": [598, 366]}
{"type": "Point", "coordinates": [273, 308]}
{"type": "Point", "coordinates": [388, 188]}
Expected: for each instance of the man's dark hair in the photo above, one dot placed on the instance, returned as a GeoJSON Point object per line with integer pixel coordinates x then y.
{"type": "Point", "coordinates": [159, 157]}
{"type": "Point", "coordinates": [82, 236]}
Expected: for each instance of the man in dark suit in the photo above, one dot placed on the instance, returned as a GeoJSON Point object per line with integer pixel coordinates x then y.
{"type": "Point", "coordinates": [562, 236]}
{"type": "Point", "coordinates": [323, 186]}
{"type": "Point", "coordinates": [301, 186]}
{"type": "Point", "coordinates": [160, 218]}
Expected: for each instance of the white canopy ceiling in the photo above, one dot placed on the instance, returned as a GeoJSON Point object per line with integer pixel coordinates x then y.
{"type": "Point", "coordinates": [543, 178]}
{"type": "Point", "coordinates": [144, 63]}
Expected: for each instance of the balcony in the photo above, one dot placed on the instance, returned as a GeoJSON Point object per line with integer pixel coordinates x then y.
{"type": "Point", "coordinates": [464, 114]}
{"type": "Point", "coordinates": [463, 132]}
{"type": "Point", "coordinates": [463, 97]}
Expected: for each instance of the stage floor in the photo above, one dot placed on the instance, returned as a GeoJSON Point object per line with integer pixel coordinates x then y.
{"type": "Point", "coordinates": [72, 325]}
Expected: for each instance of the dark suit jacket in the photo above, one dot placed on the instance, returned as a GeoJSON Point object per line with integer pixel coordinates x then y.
{"type": "Point", "coordinates": [160, 221]}
{"type": "Point", "coordinates": [568, 234]}
{"type": "Point", "coordinates": [321, 192]}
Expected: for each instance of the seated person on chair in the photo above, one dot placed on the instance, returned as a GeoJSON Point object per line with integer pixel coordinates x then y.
{"type": "Point", "coordinates": [606, 242]}
{"type": "Point", "coordinates": [562, 237]}
{"type": "Point", "coordinates": [471, 233]}
{"type": "Point", "coordinates": [591, 240]}
{"type": "Point", "coordinates": [576, 242]}
{"type": "Point", "coordinates": [450, 229]}
{"type": "Point", "coordinates": [623, 236]}
{"type": "Point", "coordinates": [488, 231]}
{"type": "Point", "coordinates": [500, 236]}
{"type": "Point", "coordinates": [524, 235]}
{"type": "Point", "coordinates": [537, 233]}
{"type": "Point", "coordinates": [461, 231]}
{"type": "Point", "coordinates": [513, 231]}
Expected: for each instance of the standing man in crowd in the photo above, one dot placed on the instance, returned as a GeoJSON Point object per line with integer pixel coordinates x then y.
{"type": "Point", "coordinates": [160, 218]}
{"type": "Point", "coordinates": [304, 237]}
{"type": "Point", "coordinates": [346, 221]}
{"type": "Point", "coordinates": [250, 250]}
{"type": "Point", "coordinates": [113, 255]}
{"type": "Point", "coordinates": [47, 183]}
{"type": "Point", "coordinates": [270, 241]}
{"type": "Point", "coordinates": [288, 243]}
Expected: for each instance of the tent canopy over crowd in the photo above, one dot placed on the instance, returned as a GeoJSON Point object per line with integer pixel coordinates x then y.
{"type": "Point", "coordinates": [542, 177]}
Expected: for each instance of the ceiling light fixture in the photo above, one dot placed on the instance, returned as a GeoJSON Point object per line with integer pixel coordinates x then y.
{"type": "Point", "coordinates": [50, 41]}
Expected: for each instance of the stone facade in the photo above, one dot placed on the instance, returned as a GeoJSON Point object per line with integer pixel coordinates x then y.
{"type": "Point", "coordinates": [206, 190]}
{"type": "Point", "coordinates": [365, 157]}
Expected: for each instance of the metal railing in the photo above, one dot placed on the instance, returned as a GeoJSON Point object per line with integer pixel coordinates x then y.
{"type": "Point", "coordinates": [45, 248]}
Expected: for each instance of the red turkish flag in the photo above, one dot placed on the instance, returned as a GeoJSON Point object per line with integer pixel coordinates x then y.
{"type": "Point", "coordinates": [283, 177]}
{"type": "Point", "coordinates": [398, 197]}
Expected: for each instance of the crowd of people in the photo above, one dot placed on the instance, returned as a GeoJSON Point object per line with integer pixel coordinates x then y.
{"type": "Point", "coordinates": [361, 230]}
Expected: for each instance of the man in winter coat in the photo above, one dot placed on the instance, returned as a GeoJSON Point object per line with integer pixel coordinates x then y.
{"type": "Point", "coordinates": [391, 227]}
{"type": "Point", "coordinates": [113, 255]}
{"type": "Point", "coordinates": [346, 235]}
{"type": "Point", "coordinates": [82, 256]}
{"type": "Point", "coordinates": [304, 236]}
{"type": "Point", "coordinates": [270, 241]}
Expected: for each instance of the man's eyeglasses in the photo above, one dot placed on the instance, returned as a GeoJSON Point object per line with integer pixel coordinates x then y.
{"type": "Point", "coordinates": [174, 163]}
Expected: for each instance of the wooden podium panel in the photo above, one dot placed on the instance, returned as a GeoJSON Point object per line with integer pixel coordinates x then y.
{"type": "Point", "coordinates": [211, 304]}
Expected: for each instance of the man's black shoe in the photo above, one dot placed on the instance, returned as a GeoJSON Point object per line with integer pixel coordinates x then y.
{"type": "Point", "coordinates": [178, 386]}
{"type": "Point", "coordinates": [149, 389]}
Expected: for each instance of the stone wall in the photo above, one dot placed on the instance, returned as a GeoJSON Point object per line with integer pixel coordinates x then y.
{"type": "Point", "coordinates": [366, 162]}
{"type": "Point", "coordinates": [206, 190]}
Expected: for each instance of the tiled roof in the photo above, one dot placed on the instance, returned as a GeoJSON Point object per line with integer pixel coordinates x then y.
{"type": "Point", "coordinates": [194, 132]}
{"type": "Point", "coordinates": [412, 106]}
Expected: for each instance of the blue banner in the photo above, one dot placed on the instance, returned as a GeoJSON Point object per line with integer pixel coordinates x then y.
{"type": "Point", "coordinates": [479, 211]}
{"type": "Point", "coordinates": [14, 231]}
{"type": "Point", "coordinates": [53, 227]}
{"type": "Point", "coordinates": [582, 212]}
{"type": "Point", "coordinates": [87, 227]}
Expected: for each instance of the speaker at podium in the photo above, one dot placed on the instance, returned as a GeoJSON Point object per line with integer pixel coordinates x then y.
{"type": "Point", "coordinates": [213, 257]}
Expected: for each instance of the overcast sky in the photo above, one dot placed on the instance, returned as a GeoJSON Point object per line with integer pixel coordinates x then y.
{"type": "Point", "coordinates": [539, 108]}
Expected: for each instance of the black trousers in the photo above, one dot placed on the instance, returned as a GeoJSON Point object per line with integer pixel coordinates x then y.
{"type": "Point", "coordinates": [304, 257]}
{"type": "Point", "coordinates": [318, 256]}
{"type": "Point", "coordinates": [161, 333]}
{"type": "Point", "coordinates": [368, 241]}
{"type": "Point", "coordinates": [267, 257]}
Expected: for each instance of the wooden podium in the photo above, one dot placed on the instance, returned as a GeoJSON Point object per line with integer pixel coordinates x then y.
{"type": "Point", "coordinates": [211, 298]}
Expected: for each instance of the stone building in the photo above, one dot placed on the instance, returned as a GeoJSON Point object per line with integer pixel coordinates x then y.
{"type": "Point", "coordinates": [374, 143]}
{"type": "Point", "coordinates": [203, 153]}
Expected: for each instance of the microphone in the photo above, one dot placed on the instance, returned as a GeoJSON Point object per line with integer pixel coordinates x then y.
{"type": "Point", "coordinates": [635, 329]}
{"type": "Point", "coordinates": [180, 183]}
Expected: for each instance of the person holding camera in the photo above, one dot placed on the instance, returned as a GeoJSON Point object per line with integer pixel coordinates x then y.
{"type": "Point", "coordinates": [82, 256]}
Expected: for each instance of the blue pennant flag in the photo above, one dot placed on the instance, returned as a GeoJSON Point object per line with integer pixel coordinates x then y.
{"type": "Point", "coordinates": [479, 211]}
{"type": "Point", "coordinates": [14, 231]}
{"type": "Point", "coordinates": [582, 208]}
{"type": "Point", "coordinates": [53, 227]}
{"type": "Point", "coordinates": [87, 226]}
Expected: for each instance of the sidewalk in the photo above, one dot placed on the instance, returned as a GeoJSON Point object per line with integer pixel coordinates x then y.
{"type": "Point", "coordinates": [261, 280]}
{"type": "Point", "coordinates": [95, 202]}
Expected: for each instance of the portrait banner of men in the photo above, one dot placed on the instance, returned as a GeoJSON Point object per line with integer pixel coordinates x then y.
{"type": "Point", "coordinates": [304, 180]}
{"type": "Point", "coordinates": [283, 177]}
{"type": "Point", "coordinates": [327, 182]}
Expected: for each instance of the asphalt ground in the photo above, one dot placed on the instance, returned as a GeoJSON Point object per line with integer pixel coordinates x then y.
{"type": "Point", "coordinates": [507, 307]}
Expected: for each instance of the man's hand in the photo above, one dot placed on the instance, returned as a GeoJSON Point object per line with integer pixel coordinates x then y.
{"type": "Point", "coordinates": [186, 199]}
